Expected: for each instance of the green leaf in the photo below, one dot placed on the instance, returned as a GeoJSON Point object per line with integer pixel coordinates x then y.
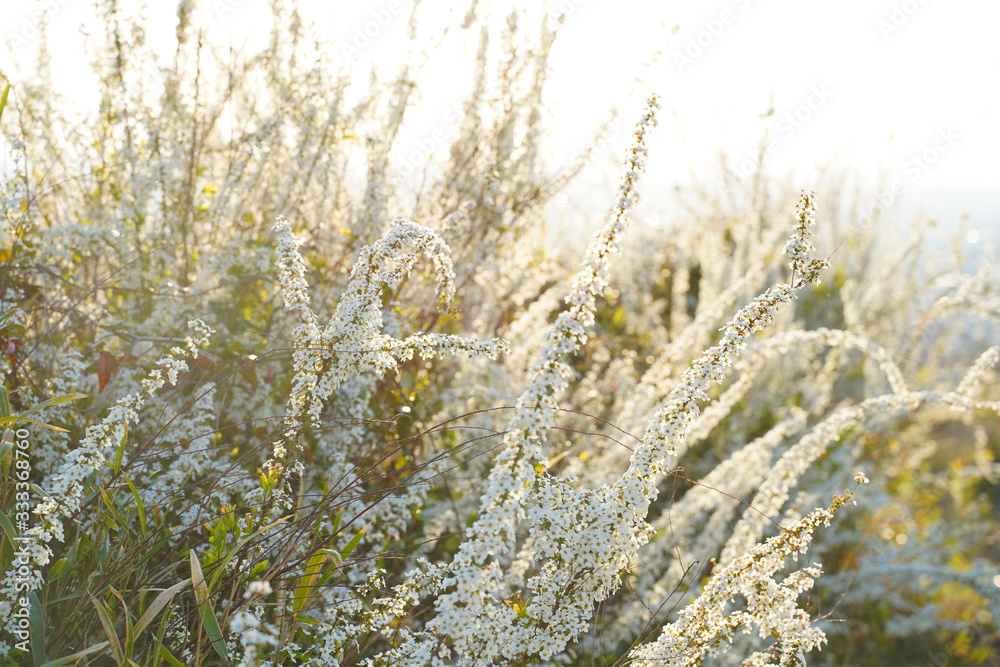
{"type": "Point", "coordinates": [310, 621]}
{"type": "Point", "coordinates": [6, 556]}
{"type": "Point", "coordinates": [212, 629]}
{"type": "Point", "coordinates": [58, 662]}
{"type": "Point", "coordinates": [140, 507]}
{"type": "Point", "coordinates": [57, 429]}
{"type": "Point", "coordinates": [8, 530]}
{"type": "Point", "coordinates": [258, 568]}
{"type": "Point", "coordinates": [308, 581]}
{"type": "Point", "coordinates": [105, 545]}
{"type": "Point", "coordinates": [37, 625]}
{"type": "Point", "coordinates": [208, 620]}
{"type": "Point", "coordinates": [158, 604]}
{"type": "Point", "coordinates": [197, 577]}
{"type": "Point", "coordinates": [166, 655]}
{"type": "Point", "coordinates": [56, 568]}
{"type": "Point", "coordinates": [129, 630]}
{"type": "Point", "coordinates": [158, 647]}
{"type": "Point", "coordinates": [7, 445]}
{"type": "Point", "coordinates": [4, 402]}
{"type": "Point", "coordinates": [223, 563]}
{"type": "Point", "coordinates": [111, 509]}
{"type": "Point", "coordinates": [346, 552]}
{"type": "Point", "coordinates": [337, 561]}
{"type": "Point", "coordinates": [120, 452]}
{"type": "Point", "coordinates": [66, 569]}
{"type": "Point", "coordinates": [335, 556]}
{"type": "Point", "coordinates": [71, 596]}
{"type": "Point", "coordinates": [55, 400]}
{"type": "Point", "coordinates": [13, 419]}
{"type": "Point", "coordinates": [12, 331]}
{"type": "Point", "coordinates": [109, 630]}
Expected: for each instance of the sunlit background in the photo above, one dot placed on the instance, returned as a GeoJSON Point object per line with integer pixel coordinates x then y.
{"type": "Point", "coordinates": [900, 92]}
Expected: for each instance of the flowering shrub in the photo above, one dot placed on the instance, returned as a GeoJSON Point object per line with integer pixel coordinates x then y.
{"type": "Point", "coordinates": [252, 418]}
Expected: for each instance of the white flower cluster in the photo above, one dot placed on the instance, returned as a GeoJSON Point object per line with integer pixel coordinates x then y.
{"type": "Point", "coordinates": [257, 638]}
{"type": "Point", "coordinates": [585, 540]}
{"type": "Point", "coordinates": [782, 344]}
{"type": "Point", "coordinates": [800, 248]}
{"type": "Point", "coordinates": [773, 493]}
{"type": "Point", "coordinates": [706, 629]}
{"type": "Point", "coordinates": [979, 370]}
{"type": "Point", "coordinates": [346, 618]}
{"type": "Point", "coordinates": [174, 364]}
{"type": "Point", "coordinates": [352, 343]}
{"type": "Point", "coordinates": [671, 423]}
{"type": "Point", "coordinates": [515, 469]}
{"type": "Point", "coordinates": [581, 541]}
{"type": "Point", "coordinates": [700, 522]}
{"type": "Point", "coordinates": [786, 472]}
{"type": "Point", "coordinates": [153, 220]}
{"type": "Point", "coordinates": [660, 379]}
{"type": "Point", "coordinates": [472, 618]}
{"type": "Point", "coordinates": [66, 486]}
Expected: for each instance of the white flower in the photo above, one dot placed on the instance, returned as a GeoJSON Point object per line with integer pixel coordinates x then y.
{"type": "Point", "coordinates": [261, 588]}
{"type": "Point", "coordinates": [353, 342]}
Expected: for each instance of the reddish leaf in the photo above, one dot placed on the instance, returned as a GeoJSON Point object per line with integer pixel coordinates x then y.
{"type": "Point", "coordinates": [106, 366]}
{"type": "Point", "coordinates": [10, 349]}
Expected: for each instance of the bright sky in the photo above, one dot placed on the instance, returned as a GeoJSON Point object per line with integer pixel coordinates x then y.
{"type": "Point", "coordinates": [905, 87]}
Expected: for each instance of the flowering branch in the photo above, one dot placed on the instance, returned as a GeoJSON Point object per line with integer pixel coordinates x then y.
{"type": "Point", "coordinates": [66, 486]}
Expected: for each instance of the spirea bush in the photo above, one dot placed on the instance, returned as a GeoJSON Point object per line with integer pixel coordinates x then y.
{"type": "Point", "coordinates": [268, 400]}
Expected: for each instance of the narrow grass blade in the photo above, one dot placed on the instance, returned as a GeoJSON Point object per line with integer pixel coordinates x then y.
{"type": "Point", "coordinates": [65, 660]}
{"type": "Point", "coordinates": [208, 620]}
{"type": "Point", "coordinates": [37, 625]}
